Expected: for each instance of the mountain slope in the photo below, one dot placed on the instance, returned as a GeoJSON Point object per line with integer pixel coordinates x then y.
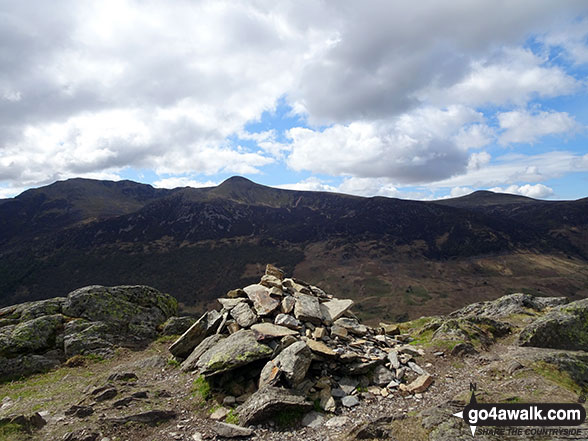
{"type": "Point", "coordinates": [81, 232]}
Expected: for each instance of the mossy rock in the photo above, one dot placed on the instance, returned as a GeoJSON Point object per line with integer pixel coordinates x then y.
{"type": "Point", "coordinates": [564, 327]}
{"type": "Point", "coordinates": [30, 336]}
{"type": "Point", "coordinates": [238, 349]}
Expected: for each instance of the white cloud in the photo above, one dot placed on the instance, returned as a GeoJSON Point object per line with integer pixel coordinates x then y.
{"type": "Point", "coordinates": [522, 126]}
{"type": "Point", "coordinates": [460, 191]}
{"type": "Point", "coordinates": [308, 184]}
{"type": "Point", "coordinates": [420, 146]}
{"type": "Point", "coordinates": [539, 191]}
{"type": "Point", "coordinates": [573, 40]}
{"type": "Point", "coordinates": [515, 77]}
{"type": "Point", "coordinates": [514, 168]}
{"type": "Point", "coordinates": [182, 181]}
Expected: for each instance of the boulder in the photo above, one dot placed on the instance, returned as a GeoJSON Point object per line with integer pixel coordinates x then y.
{"type": "Point", "coordinates": [203, 327]}
{"type": "Point", "coordinates": [124, 305]}
{"type": "Point", "coordinates": [292, 364]}
{"type": "Point", "coordinates": [236, 350]}
{"type": "Point", "coordinates": [564, 327]}
{"type": "Point", "coordinates": [177, 325]}
{"type": "Point", "coordinates": [419, 385]}
{"type": "Point", "coordinates": [263, 303]}
{"type": "Point", "coordinates": [267, 402]}
{"type": "Point", "coordinates": [243, 315]}
{"type": "Point", "coordinates": [307, 309]}
{"type": "Point", "coordinates": [84, 337]}
{"type": "Point", "coordinates": [30, 336]}
{"type": "Point", "coordinates": [276, 272]}
{"type": "Point", "coordinates": [11, 368]}
{"type": "Point", "coordinates": [320, 348]}
{"type": "Point", "coordinates": [229, 304]}
{"type": "Point", "coordinates": [189, 364]}
{"type": "Point", "coordinates": [505, 306]}
{"type": "Point", "coordinates": [382, 376]}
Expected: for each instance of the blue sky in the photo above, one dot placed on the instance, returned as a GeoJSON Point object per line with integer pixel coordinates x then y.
{"type": "Point", "coordinates": [398, 99]}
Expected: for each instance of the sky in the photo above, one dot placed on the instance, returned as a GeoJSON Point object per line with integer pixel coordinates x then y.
{"type": "Point", "coordinates": [410, 99]}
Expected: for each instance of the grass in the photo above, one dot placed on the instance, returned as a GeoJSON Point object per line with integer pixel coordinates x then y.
{"type": "Point", "coordinates": [167, 338]}
{"type": "Point", "coordinates": [173, 362]}
{"type": "Point", "coordinates": [11, 432]}
{"type": "Point", "coordinates": [552, 373]}
{"type": "Point", "coordinates": [232, 417]}
{"type": "Point", "coordinates": [201, 388]}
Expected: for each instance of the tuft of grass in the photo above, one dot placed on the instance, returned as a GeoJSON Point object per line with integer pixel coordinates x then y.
{"type": "Point", "coordinates": [232, 417]}
{"type": "Point", "coordinates": [201, 388]}
{"type": "Point", "coordinates": [173, 362]}
{"type": "Point", "coordinates": [11, 432]}
{"type": "Point", "coordinates": [167, 338]}
{"type": "Point", "coordinates": [552, 373]}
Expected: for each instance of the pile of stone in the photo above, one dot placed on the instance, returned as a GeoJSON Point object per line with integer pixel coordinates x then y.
{"type": "Point", "coordinates": [284, 344]}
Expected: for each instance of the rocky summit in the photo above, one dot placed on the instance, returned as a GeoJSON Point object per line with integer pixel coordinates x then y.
{"type": "Point", "coordinates": [283, 344]}
{"type": "Point", "coordinates": [277, 360]}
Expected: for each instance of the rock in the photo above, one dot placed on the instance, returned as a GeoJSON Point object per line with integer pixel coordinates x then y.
{"type": "Point", "coordinates": [236, 350]}
{"type": "Point", "coordinates": [307, 309]}
{"type": "Point", "coordinates": [106, 394]}
{"type": "Point", "coordinates": [229, 400]}
{"type": "Point", "coordinates": [338, 392]}
{"type": "Point", "coordinates": [84, 337]}
{"type": "Point", "coordinates": [419, 385]}
{"type": "Point", "coordinates": [513, 367]}
{"type": "Point", "coordinates": [203, 327]}
{"type": "Point", "coordinates": [123, 402]}
{"type": "Point", "coordinates": [378, 429]}
{"type": "Point", "coordinates": [219, 414]}
{"type": "Point", "coordinates": [334, 309]}
{"type": "Point", "coordinates": [327, 402]}
{"type": "Point", "coordinates": [12, 368]}
{"type": "Point", "coordinates": [226, 430]}
{"type": "Point", "coordinates": [319, 333]}
{"type": "Point", "coordinates": [320, 348]}
{"type": "Point", "coordinates": [393, 358]}
{"type": "Point", "coordinates": [287, 304]}
{"type": "Point", "coordinates": [234, 293]}
{"type": "Point", "coordinates": [276, 272]}
{"type": "Point", "coordinates": [462, 349]}
{"type": "Point", "coordinates": [136, 310]}
{"type": "Point", "coordinates": [313, 420]}
{"type": "Point", "coordinates": [243, 315]}
{"type": "Point", "coordinates": [123, 376]}
{"type": "Point", "coordinates": [35, 335]}
{"type": "Point", "coordinates": [229, 304]}
{"type": "Point", "coordinates": [288, 321]}
{"type": "Point", "coordinates": [28, 423]}
{"type": "Point", "coordinates": [360, 368]}
{"type": "Point", "coordinates": [508, 305]}
{"type": "Point", "coordinates": [390, 329]}
{"type": "Point", "coordinates": [352, 325]}
{"type": "Point", "coordinates": [263, 303]}
{"type": "Point", "coordinates": [270, 281]}
{"type": "Point", "coordinates": [233, 327]}
{"type": "Point", "coordinates": [151, 417]}
{"type": "Point", "coordinates": [79, 411]}
{"type": "Point", "coordinates": [338, 421]}
{"type": "Point", "coordinates": [416, 368]}
{"type": "Point", "coordinates": [81, 435]}
{"type": "Point", "coordinates": [190, 363]}
{"type": "Point", "coordinates": [269, 401]}
{"type": "Point", "coordinates": [269, 330]}
{"type": "Point", "coordinates": [177, 325]}
{"type": "Point", "coordinates": [349, 401]}
{"type": "Point", "coordinates": [348, 384]}
{"type": "Point", "coordinates": [382, 376]}
{"type": "Point", "coordinates": [564, 327]}
{"type": "Point", "coordinates": [338, 331]}
{"type": "Point", "coordinates": [292, 363]}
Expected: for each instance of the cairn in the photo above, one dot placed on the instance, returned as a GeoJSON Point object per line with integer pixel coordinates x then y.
{"type": "Point", "coordinates": [283, 344]}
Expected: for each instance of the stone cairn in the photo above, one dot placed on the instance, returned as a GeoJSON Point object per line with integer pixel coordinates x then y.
{"type": "Point", "coordinates": [284, 344]}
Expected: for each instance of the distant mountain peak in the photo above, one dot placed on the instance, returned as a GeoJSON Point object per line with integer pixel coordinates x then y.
{"type": "Point", "coordinates": [237, 181]}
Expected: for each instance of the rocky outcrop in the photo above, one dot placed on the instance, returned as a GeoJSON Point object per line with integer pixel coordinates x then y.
{"type": "Point", "coordinates": [36, 336]}
{"type": "Point", "coordinates": [564, 327]}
